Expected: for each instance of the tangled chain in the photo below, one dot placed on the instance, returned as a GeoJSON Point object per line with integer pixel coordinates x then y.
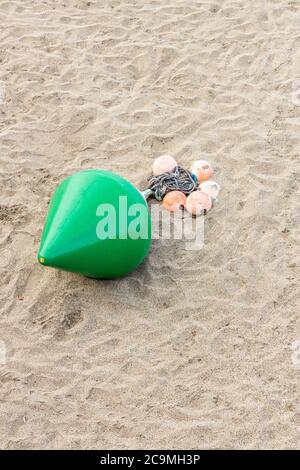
{"type": "Point", "coordinates": [177, 180]}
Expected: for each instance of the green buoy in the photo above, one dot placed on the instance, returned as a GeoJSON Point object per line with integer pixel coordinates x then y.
{"type": "Point", "coordinates": [98, 224]}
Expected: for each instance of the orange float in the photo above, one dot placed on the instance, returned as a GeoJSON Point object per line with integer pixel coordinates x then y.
{"type": "Point", "coordinates": [174, 201]}
{"type": "Point", "coordinates": [202, 169]}
{"type": "Point", "coordinates": [198, 203]}
{"type": "Point", "coordinates": [163, 164]}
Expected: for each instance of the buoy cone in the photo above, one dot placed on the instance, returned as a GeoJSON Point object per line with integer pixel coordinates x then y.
{"type": "Point", "coordinates": [98, 224]}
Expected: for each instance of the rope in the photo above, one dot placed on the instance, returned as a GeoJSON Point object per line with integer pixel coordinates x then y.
{"type": "Point", "coordinates": [177, 180]}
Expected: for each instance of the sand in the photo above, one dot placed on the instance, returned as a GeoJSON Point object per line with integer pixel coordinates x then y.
{"type": "Point", "coordinates": [194, 349]}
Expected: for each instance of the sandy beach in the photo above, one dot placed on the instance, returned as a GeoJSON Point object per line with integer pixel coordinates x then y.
{"type": "Point", "coordinates": [193, 349]}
